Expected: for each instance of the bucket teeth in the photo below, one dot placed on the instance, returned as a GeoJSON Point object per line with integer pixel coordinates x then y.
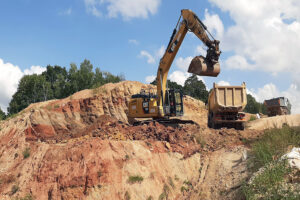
{"type": "Point", "coordinates": [201, 67]}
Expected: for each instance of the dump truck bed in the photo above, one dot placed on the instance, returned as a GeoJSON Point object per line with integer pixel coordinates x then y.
{"type": "Point", "coordinates": [227, 98]}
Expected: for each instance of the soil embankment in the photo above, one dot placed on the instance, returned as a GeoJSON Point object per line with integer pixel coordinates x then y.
{"type": "Point", "coordinates": [82, 147]}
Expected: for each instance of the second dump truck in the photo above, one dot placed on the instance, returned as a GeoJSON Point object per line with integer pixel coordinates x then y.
{"type": "Point", "coordinates": [225, 106]}
{"type": "Point", "coordinates": [278, 106]}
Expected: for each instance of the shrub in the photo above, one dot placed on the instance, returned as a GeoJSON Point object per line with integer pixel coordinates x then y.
{"type": "Point", "coordinates": [252, 118]}
{"type": "Point", "coordinates": [127, 196]}
{"type": "Point", "coordinates": [26, 153]}
{"type": "Point", "coordinates": [134, 179]}
{"type": "Point", "coordinates": [273, 144]}
{"type": "Point", "coordinates": [14, 189]}
{"type": "Point", "coordinates": [27, 197]}
{"type": "Point", "coordinates": [270, 182]}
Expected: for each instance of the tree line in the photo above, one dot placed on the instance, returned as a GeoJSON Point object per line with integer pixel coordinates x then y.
{"type": "Point", "coordinates": [57, 82]}
{"type": "Point", "coordinates": [192, 87]}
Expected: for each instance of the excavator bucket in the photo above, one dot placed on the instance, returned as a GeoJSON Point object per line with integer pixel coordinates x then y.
{"type": "Point", "coordinates": [201, 67]}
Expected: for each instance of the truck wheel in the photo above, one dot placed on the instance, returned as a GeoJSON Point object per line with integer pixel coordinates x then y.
{"type": "Point", "coordinates": [240, 126]}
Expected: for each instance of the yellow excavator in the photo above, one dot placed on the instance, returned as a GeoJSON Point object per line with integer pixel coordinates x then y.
{"type": "Point", "coordinates": [166, 102]}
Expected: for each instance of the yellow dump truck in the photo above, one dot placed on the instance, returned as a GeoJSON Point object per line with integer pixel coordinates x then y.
{"type": "Point", "coordinates": [225, 106]}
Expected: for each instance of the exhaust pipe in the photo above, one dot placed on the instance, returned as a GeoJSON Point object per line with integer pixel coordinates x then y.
{"type": "Point", "coordinates": [201, 67]}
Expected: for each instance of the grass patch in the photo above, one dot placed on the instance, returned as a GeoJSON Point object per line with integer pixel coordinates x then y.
{"type": "Point", "coordinates": [150, 198]}
{"type": "Point", "coordinates": [56, 106]}
{"type": "Point", "coordinates": [99, 173]}
{"type": "Point", "coordinates": [127, 196]}
{"type": "Point", "coordinates": [14, 189]}
{"type": "Point", "coordinates": [27, 197]}
{"type": "Point", "coordinates": [135, 179]}
{"type": "Point", "coordinates": [270, 180]}
{"type": "Point", "coordinates": [164, 194]}
{"type": "Point", "coordinates": [273, 144]}
{"type": "Point", "coordinates": [26, 153]}
{"type": "Point", "coordinates": [187, 186]}
{"type": "Point", "coordinates": [171, 183]}
{"type": "Point", "coordinates": [49, 107]}
{"type": "Point", "coordinates": [270, 183]}
{"type": "Point", "coordinates": [252, 118]}
{"type": "Point", "coordinates": [98, 90]}
{"type": "Point", "coordinates": [199, 140]}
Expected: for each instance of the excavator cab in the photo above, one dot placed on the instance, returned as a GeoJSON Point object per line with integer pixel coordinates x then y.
{"type": "Point", "coordinates": [174, 103]}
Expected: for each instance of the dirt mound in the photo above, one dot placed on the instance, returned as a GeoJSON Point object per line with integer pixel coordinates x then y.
{"type": "Point", "coordinates": [110, 99]}
{"type": "Point", "coordinates": [274, 122]}
{"type": "Point", "coordinates": [82, 147]}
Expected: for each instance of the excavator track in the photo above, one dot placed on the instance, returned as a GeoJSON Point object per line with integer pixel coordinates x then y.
{"type": "Point", "coordinates": [164, 122]}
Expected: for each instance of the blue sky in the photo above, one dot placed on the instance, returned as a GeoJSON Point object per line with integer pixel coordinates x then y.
{"type": "Point", "coordinates": [259, 40]}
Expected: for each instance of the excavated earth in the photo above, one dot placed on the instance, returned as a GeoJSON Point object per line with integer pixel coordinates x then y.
{"type": "Point", "coordinates": [83, 147]}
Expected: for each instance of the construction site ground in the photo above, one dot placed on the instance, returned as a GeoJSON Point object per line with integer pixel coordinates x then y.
{"type": "Point", "coordinates": [83, 147]}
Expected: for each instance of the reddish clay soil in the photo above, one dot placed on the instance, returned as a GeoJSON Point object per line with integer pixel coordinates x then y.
{"type": "Point", "coordinates": [83, 147]}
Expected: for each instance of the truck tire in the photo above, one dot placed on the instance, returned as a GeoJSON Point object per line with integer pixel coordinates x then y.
{"type": "Point", "coordinates": [240, 126]}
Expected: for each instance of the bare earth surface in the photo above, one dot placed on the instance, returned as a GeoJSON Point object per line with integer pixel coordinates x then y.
{"type": "Point", "coordinates": [275, 122]}
{"type": "Point", "coordinates": [83, 147]}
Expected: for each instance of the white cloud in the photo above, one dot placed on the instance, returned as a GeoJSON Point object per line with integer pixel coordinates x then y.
{"type": "Point", "coordinates": [238, 62]}
{"type": "Point", "coordinates": [252, 93]}
{"type": "Point", "coordinates": [179, 77]}
{"type": "Point", "coordinates": [160, 52]}
{"type": "Point", "coordinates": [214, 24]}
{"type": "Point", "coordinates": [9, 79]}
{"type": "Point", "coordinates": [34, 70]}
{"type": "Point", "coordinates": [66, 12]}
{"type": "Point", "coordinates": [128, 9]}
{"type": "Point", "coordinates": [150, 58]}
{"type": "Point", "coordinates": [183, 63]}
{"type": "Point", "coordinates": [261, 37]}
{"type": "Point", "coordinates": [156, 55]}
{"type": "Point", "coordinates": [133, 41]}
{"type": "Point", "coordinates": [91, 7]}
{"type": "Point", "coordinates": [149, 79]}
{"type": "Point", "coordinates": [200, 51]}
{"type": "Point", "coordinates": [223, 83]}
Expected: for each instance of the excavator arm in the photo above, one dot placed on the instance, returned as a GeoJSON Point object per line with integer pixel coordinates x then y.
{"type": "Point", "coordinates": [206, 66]}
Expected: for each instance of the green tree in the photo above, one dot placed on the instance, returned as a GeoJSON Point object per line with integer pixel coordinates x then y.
{"type": "Point", "coordinates": [195, 88]}
{"type": "Point", "coordinates": [171, 85]}
{"type": "Point", "coordinates": [2, 114]}
{"type": "Point", "coordinates": [253, 106]}
{"type": "Point", "coordinates": [72, 83]}
{"type": "Point", "coordinates": [57, 82]}
{"type": "Point", "coordinates": [85, 75]}
{"type": "Point", "coordinates": [31, 89]}
{"type": "Point", "coordinates": [109, 78]}
{"type": "Point", "coordinates": [98, 78]}
{"type": "Point", "coordinates": [57, 77]}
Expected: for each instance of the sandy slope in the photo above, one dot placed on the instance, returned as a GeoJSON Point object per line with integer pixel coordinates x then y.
{"type": "Point", "coordinates": [82, 147]}
{"type": "Point", "coordinates": [276, 121]}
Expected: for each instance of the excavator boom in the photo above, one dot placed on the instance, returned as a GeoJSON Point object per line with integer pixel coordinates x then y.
{"type": "Point", "coordinates": [205, 66]}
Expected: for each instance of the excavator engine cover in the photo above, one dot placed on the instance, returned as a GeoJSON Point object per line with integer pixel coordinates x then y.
{"type": "Point", "coordinates": [201, 67]}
